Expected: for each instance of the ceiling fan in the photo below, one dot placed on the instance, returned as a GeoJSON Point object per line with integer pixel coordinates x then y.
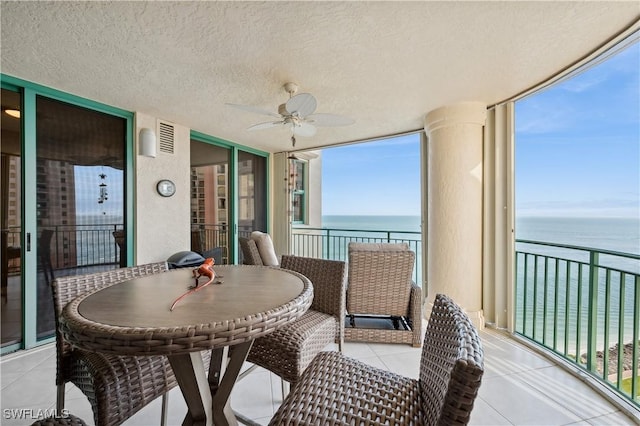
{"type": "Point", "coordinates": [297, 114]}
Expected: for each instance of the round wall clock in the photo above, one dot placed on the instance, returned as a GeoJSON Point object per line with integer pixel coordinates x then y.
{"type": "Point", "coordinates": [166, 188]}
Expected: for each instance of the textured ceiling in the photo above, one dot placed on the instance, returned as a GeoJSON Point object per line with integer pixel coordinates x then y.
{"type": "Point", "coordinates": [384, 64]}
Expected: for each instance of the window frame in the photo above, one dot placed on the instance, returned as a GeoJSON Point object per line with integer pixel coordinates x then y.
{"type": "Point", "coordinates": [302, 194]}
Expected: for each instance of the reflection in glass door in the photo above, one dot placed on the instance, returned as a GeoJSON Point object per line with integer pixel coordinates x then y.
{"type": "Point", "coordinates": [252, 193]}
{"type": "Point", "coordinates": [210, 207]}
{"type": "Point", "coordinates": [80, 193]}
{"type": "Point", "coordinates": [11, 217]}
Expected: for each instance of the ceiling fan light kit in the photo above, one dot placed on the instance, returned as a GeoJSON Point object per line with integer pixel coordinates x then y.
{"type": "Point", "coordinates": [298, 114]}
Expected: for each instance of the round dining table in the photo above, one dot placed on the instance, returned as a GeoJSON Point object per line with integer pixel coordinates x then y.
{"type": "Point", "coordinates": [241, 304]}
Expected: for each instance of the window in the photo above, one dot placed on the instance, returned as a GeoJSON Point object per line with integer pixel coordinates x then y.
{"type": "Point", "coordinates": [299, 183]}
{"type": "Point", "coordinates": [577, 211]}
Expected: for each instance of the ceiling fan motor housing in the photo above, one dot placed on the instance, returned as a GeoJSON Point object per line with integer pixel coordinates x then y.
{"type": "Point", "coordinates": [291, 88]}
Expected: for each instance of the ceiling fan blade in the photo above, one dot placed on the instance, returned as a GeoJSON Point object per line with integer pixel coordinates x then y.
{"type": "Point", "coordinates": [302, 104]}
{"type": "Point", "coordinates": [304, 129]}
{"type": "Point", "coordinates": [329, 120]}
{"type": "Point", "coordinates": [254, 109]}
{"type": "Point", "coordinates": [267, 125]}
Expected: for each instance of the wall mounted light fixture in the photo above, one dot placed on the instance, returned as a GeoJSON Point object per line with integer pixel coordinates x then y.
{"type": "Point", "coordinates": [147, 142]}
{"type": "Point", "coordinates": [15, 113]}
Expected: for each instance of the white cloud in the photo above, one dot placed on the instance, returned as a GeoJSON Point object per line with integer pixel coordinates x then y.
{"type": "Point", "coordinates": [583, 82]}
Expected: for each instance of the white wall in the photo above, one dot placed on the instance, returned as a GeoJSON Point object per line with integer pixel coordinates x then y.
{"type": "Point", "coordinates": [314, 189]}
{"type": "Point", "coordinates": [162, 225]}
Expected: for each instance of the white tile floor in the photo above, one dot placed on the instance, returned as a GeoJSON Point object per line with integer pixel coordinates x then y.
{"type": "Point", "coordinates": [519, 387]}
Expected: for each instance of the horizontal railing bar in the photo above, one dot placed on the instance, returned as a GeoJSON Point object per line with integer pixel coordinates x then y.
{"type": "Point", "coordinates": [332, 243]}
{"type": "Point", "coordinates": [577, 262]}
{"type": "Point", "coordinates": [572, 247]}
{"type": "Point", "coordinates": [385, 231]}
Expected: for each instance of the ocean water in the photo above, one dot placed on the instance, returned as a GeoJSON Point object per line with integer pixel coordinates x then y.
{"type": "Point", "coordinates": [621, 235]}
{"type": "Point", "coordinates": [615, 234]}
{"type": "Point", "coordinates": [563, 280]}
{"type": "Point", "coordinates": [379, 229]}
{"type": "Point", "coordinates": [377, 223]}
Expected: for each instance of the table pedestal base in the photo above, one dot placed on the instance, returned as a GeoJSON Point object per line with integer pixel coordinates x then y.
{"type": "Point", "coordinates": [208, 398]}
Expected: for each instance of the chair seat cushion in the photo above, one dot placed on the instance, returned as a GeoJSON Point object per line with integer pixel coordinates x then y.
{"type": "Point", "coordinates": [289, 350]}
{"type": "Point", "coordinates": [338, 390]}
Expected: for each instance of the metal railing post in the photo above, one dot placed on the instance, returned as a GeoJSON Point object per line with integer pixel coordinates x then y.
{"type": "Point", "coordinates": [328, 244]}
{"type": "Point", "coordinates": [593, 311]}
{"type": "Point", "coordinates": [598, 317]}
{"type": "Point", "coordinates": [635, 349]}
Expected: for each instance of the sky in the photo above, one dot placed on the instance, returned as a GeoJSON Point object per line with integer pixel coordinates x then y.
{"type": "Point", "coordinates": [87, 185]}
{"type": "Point", "coordinates": [577, 153]}
{"type": "Point", "coordinates": [578, 144]}
{"type": "Point", "coordinates": [376, 178]}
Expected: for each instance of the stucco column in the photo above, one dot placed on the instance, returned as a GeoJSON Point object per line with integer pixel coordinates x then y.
{"type": "Point", "coordinates": [454, 208]}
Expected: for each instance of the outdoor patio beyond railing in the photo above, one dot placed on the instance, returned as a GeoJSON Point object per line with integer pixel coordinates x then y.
{"type": "Point", "coordinates": [331, 243]}
{"type": "Point", "coordinates": [583, 304]}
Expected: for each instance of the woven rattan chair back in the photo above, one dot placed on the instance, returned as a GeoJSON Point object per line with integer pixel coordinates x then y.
{"type": "Point", "coordinates": [451, 365]}
{"type": "Point", "coordinates": [329, 279]}
{"type": "Point", "coordinates": [65, 289]}
{"type": "Point", "coordinates": [250, 253]}
{"type": "Point", "coordinates": [66, 420]}
{"type": "Point", "coordinates": [105, 380]}
{"type": "Point", "coordinates": [288, 350]}
{"type": "Point", "coordinates": [339, 390]}
{"type": "Point", "coordinates": [379, 279]}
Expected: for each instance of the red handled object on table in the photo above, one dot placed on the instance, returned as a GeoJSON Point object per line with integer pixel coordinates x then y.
{"type": "Point", "coordinates": [204, 270]}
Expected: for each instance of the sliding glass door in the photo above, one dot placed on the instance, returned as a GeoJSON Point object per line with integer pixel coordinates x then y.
{"type": "Point", "coordinates": [80, 193]}
{"type": "Point", "coordinates": [228, 196]}
{"type": "Point", "coordinates": [11, 214]}
{"type": "Point", "coordinates": [63, 202]}
{"type": "Point", "coordinates": [210, 201]}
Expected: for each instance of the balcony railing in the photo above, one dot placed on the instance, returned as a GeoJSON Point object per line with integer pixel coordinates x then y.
{"type": "Point", "coordinates": [209, 236]}
{"type": "Point", "coordinates": [72, 246]}
{"type": "Point", "coordinates": [584, 305]}
{"type": "Point", "coordinates": [331, 243]}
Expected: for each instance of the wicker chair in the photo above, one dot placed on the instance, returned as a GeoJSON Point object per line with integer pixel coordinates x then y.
{"type": "Point", "coordinates": [116, 386]}
{"type": "Point", "coordinates": [250, 253]}
{"type": "Point", "coordinates": [288, 350]}
{"type": "Point", "coordinates": [380, 285]}
{"type": "Point", "coordinates": [67, 420]}
{"type": "Point", "coordinates": [337, 390]}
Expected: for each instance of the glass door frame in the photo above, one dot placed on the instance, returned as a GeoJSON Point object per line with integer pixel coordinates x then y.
{"type": "Point", "coordinates": [29, 264]}
{"type": "Point", "coordinates": [233, 196]}
{"type": "Point", "coordinates": [23, 253]}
